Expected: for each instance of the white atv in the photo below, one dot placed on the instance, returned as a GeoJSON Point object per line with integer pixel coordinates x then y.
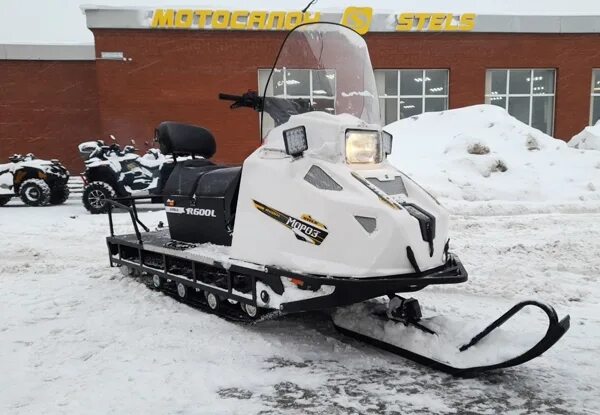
{"type": "Point", "coordinates": [37, 182]}
{"type": "Point", "coordinates": [112, 172]}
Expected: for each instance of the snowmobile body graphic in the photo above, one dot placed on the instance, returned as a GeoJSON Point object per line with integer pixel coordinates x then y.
{"type": "Point", "coordinates": [315, 219]}
{"type": "Point", "coordinates": [37, 182]}
{"type": "Point", "coordinates": [111, 172]}
{"type": "Point", "coordinates": [313, 232]}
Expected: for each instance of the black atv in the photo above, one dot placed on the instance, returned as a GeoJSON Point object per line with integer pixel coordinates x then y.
{"type": "Point", "coordinates": [37, 182]}
{"type": "Point", "coordinates": [112, 172]}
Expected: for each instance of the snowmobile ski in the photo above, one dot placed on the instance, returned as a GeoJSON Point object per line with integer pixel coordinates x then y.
{"type": "Point", "coordinates": [556, 329]}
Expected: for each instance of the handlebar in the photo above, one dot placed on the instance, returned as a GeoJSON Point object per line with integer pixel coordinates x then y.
{"type": "Point", "coordinates": [249, 99]}
{"type": "Point", "coordinates": [227, 97]}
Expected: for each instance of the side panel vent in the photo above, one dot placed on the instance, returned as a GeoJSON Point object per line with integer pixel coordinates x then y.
{"type": "Point", "coordinates": [369, 224]}
{"type": "Point", "coordinates": [391, 187]}
{"type": "Point", "coordinates": [321, 180]}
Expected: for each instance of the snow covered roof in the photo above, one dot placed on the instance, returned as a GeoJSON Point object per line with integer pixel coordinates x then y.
{"type": "Point", "coordinates": [42, 23]}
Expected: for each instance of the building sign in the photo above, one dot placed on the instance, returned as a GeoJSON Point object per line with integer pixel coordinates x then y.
{"type": "Point", "coordinates": [225, 19]}
{"type": "Point", "coordinates": [358, 18]}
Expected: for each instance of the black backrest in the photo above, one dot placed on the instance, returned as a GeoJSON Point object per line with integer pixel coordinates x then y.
{"type": "Point", "coordinates": [185, 139]}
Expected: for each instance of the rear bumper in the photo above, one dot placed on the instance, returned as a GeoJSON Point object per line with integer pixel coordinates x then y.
{"type": "Point", "coordinates": [353, 290]}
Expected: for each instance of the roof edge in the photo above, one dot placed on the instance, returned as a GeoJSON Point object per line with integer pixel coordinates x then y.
{"type": "Point", "coordinates": [48, 52]}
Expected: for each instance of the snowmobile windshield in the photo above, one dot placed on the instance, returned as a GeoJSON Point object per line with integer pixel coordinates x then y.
{"type": "Point", "coordinates": [320, 67]}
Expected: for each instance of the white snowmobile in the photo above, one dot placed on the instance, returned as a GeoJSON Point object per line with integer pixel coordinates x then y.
{"type": "Point", "coordinates": [316, 218]}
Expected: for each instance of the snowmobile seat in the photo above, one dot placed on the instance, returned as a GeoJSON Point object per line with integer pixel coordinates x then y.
{"type": "Point", "coordinates": [221, 183]}
{"type": "Point", "coordinates": [185, 139]}
{"type": "Point", "coordinates": [185, 175]}
{"type": "Point", "coordinates": [207, 213]}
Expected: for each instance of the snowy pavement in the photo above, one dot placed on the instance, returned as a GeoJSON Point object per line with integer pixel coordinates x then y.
{"type": "Point", "coordinates": [77, 337]}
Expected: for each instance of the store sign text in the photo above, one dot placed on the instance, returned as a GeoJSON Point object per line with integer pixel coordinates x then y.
{"type": "Point", "coordinates": [224, 19]}
{"type": "Point", "coordinates": [358, 18]}
{"type": "Point", "coordinates": [435, 22]}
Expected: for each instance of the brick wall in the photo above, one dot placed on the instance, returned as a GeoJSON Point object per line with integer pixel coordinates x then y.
{"type": "Point", "coordinates": [47, 108]}
{"type": "Point", "coordinates": [177, 76]}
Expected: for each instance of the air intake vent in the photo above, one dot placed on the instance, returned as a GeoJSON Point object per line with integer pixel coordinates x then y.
{"type": "Point", "coordinates": [321, 180]}
{"type": "Point", "coordinates": [390, 187]}
{"type": "Point", "coordinates": [369, 224]}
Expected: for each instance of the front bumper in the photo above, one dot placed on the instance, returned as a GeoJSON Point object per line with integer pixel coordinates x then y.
{"type": "Point", "coordinates": [354, 290]}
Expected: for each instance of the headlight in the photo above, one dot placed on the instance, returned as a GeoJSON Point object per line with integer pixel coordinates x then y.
{"type": "Point", "coordinates": [363, 146]}
{"type": "Point", "coordinates": [295, 141]}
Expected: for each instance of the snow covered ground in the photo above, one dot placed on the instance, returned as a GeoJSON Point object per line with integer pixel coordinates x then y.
{"type": "Point", "coordinates": [77, 337]}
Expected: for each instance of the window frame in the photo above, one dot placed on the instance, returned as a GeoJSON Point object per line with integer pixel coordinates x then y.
{"type": "Point", "coordinates": [399, 96]}
{"type": "Point", "coordinates": [507, 95]}
{"type": "Point", "coordinates": [594, 95]}
{"type": "Point", "coordinates": [310, 96]}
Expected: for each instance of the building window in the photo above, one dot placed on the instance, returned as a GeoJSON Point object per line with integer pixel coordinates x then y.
{"type": "Point", "coordinates": [595, 117]}
{"type": "Point", "coordinates": [407, 92]}
{"type": "Point", "coordinates": [527, 94]}
{"type": "Point", "coordinates": [318, 85]}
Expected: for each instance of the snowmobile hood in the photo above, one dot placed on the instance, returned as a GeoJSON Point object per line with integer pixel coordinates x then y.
{"type": "Point", "coordinates": [325, 134]}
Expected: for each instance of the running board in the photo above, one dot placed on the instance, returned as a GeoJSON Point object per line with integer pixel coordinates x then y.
{"type": "Point", "coordinates": [556, 329]}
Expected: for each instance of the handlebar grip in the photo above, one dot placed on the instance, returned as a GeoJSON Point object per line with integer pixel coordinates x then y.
{"type": "Point", "coordinates": [228, 97]}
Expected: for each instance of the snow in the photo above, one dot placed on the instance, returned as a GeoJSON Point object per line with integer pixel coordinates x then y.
{"type": "Point", "coordinates": [588, 139]}
{"type": "Point", "coordinates": [76, 336]}
{"type": "Point", "coordinates": [36, 22]}
{"type": "Point", "coordinates": [481, 153]}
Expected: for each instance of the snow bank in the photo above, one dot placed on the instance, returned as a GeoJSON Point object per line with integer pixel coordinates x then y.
{"type": "Point", "coordinates": [588, 139]}
{"type": "Point", "coordinates": [481, 153]}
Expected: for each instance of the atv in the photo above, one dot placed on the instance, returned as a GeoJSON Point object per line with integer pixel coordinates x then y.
{"type": "Point", "coordinates": [317, 218]}
{"type": "Point", "coordinates": [112, 172]}
{"type": "Point", "coordinates": [37, 182]}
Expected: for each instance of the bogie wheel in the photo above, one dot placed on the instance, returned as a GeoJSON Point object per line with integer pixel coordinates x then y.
{"type": "Point", "coordinates": [35, 192]}
{"type": "Point", "coordinates": [157, 282]}
{"type": "Point", "coordinates": [250, 310]}
{"type": "Point", "coordinates": [59, 194]}
{"type": "Point", "coordinates": [129, 271]}
{"type": "Point", "coordinates": [95, 195]}
{"type": "Point", "coordinates": [182, 291]}
{"type": "Point", "coordinates": [214, 302]}
{"type": "Point", "coordinates": [4, 200]}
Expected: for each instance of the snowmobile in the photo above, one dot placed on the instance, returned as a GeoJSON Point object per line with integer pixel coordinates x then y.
{"type": "Point", "coordinates": [37, 182]}
{"type": "Point", "coordinates": [315, 219]}
{"type": "Point", "coordinates": [112, 172]}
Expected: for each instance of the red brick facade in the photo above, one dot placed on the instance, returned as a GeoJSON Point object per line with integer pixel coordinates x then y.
{"type": "Point", "coordinates": [49, 107]}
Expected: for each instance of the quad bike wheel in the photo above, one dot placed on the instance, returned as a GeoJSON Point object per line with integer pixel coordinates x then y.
{"type": "Point", "coordinates": [59, 194]}
{"type": "Point", "coordinates": [35, 192]}
{"type": "Point", "coordinates": [95, 196]}
{"type": "Point", "coordinates": [4, 200]}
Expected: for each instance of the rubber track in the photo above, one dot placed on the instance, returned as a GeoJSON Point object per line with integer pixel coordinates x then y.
{"type": "Point", "coordinates": [227, 311]}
